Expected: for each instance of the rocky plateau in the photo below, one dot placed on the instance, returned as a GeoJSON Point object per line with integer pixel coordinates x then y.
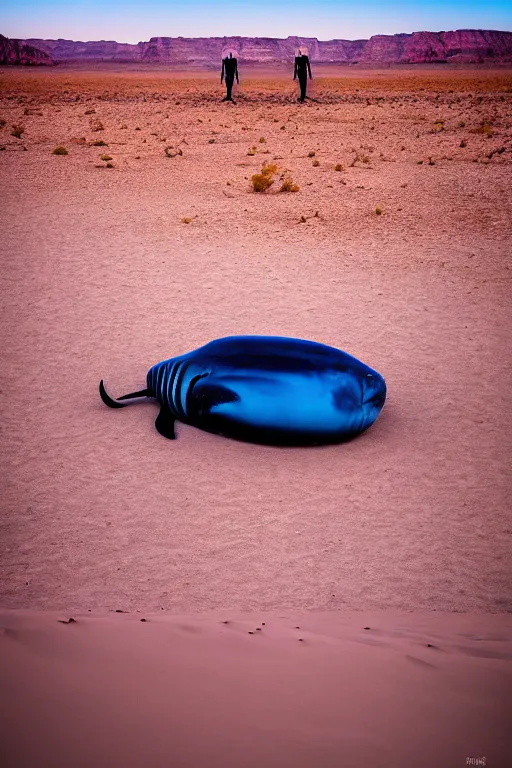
{"type": "Point", "coordinates": [464, 46]}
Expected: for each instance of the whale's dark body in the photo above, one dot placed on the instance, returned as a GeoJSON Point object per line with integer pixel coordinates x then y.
{"type": "Point", "coordinates": [265, 389]}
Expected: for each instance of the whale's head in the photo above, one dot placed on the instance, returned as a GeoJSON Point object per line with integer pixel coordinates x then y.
{"type": "Point", "coordinates": [373, 396]}
{"type": "Point", "coordinates": [359, 394]}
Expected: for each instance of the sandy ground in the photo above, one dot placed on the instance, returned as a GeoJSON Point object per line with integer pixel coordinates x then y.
{"type": "Point", "coordinates": [108, 270]}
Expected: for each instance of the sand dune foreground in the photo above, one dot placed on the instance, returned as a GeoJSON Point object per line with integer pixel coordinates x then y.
{"type": "Point", "coordinates": [326, 690]}
{"type": "Point", "coordinates": [141, 239]}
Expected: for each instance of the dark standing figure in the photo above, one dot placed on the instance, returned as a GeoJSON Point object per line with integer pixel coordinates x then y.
{"type": "Point", "coordinates": [229, 71]}
{"type": "Point", "coordinates": [302, 69]}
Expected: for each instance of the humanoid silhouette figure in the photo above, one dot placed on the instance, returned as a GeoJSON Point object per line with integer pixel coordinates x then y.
{"type": "Point", "coordinates": [302, 68]}
{"type": "Point", "coordinates": [229, 71]}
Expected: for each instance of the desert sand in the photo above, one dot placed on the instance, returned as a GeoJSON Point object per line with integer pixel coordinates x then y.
{"type": "Point", "coordinates": [396, 248]}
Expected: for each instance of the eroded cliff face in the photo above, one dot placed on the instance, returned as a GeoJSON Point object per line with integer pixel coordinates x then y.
{"type": "Point", "coordinates": [100, 50]}
{"type": "Point", "coordinates": [421, 47]}
{"type": "Point", "coordinates": [18, 52]}
{"type": "Point", "coordinates": [463, 45]}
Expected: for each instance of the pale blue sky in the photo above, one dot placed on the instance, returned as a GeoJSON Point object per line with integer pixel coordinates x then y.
{"type": "Point", "coordinates": [131, 21]}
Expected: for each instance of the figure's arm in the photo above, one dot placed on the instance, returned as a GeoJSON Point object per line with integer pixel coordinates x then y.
{"type": "Point", "coordinates": [236, 73]}
{"type": "Point", "coordinates": [309, 68]}
{"type": "Point", "coordinates": [295, 70]}
{"type": "Point", "coordinates": [222, 73]}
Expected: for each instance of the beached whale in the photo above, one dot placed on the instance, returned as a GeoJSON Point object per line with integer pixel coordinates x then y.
{"type": "Point", "coordinates": [264, 389]}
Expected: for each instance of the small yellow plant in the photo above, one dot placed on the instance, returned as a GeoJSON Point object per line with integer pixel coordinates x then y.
{"type": "Point", "coordinates": [264, 180]}
{"type": "Point", "coordinates": [186, 220]}
{"type": "Point", "coordinates": [262, 140]}
{"type": "Point", "coordinates": [251, 151]}
{"type": "Point", "coordinates": [105, 158]}
{"type": "Point", "coordinates": [289, 185]}
{"type": "Point", "coordinates": [60, 151]}
{"type": "Point", "coordinates": [484, 128]}
{"type": "Point", "coordinates": [378, 210]}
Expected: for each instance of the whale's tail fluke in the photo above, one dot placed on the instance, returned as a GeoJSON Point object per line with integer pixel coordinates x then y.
{"type": "Point", "coordinates": [115, 403]}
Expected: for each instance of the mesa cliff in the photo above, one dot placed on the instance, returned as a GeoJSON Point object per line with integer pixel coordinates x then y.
{"type": "Point", "coordinates": [19, 52]}
{"type": "Point", "coordinates": [459, 46]}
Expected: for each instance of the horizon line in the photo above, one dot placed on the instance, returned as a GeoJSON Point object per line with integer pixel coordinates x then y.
{"type": "Point", "coordinates": [265, 37]}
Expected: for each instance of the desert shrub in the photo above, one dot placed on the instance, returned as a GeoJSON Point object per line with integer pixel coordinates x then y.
{"type": "Point", "coordinates": [359, 159]}
{"type": "Point", "coordinates": [251, 151]}
{"type": "Point", "coordinates": [2, 123]}
{"type": "Point", "coordinates": [262, 140]}
{"type": "Point", "coordinates": [289, 185]}
{"type": "Point", "coordinates": [338, 167]}
{"type": "Point", "coordinates": [484, 128]}
{"type": "Point", "coordinates": [17, 130]}
{"type": "Point", "coordinates": [463, 144]}
{"type": "Point", "coordinates": [264, 180]}
{"type": "Point", "coordinates": [96, 124]}
{"type": "Point", "coordinates": [378, 210]}
{"type": "Point", "coordinates": [261, 182]}
{"type": "Point", "coordinates": [172, 151]}
{"type": "Point", "coordinates": [311, 154]}
{"type": "Point", "coordinates": [99, 143]}
{"type": "Point", "coordinates": [186, 220]}
{"type": "Point", "coordinates": [109, 165]}
{"type": "Point", "coordinates": [316, 163]}
{"type": "Point", "coordinates": [60, 151]}
{"type": "Point", "coordinates": [106, 158]}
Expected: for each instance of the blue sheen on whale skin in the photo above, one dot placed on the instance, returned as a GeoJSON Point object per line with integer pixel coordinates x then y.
{"type": "Point", "coordinates": [266, 389]}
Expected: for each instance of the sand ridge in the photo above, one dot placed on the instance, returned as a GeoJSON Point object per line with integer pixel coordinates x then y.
{"type": "Point", "coordinates": [361, 689]}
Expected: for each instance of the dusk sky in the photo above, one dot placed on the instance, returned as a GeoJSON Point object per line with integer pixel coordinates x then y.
{"type": "Point", "coordinates": [131, 21]}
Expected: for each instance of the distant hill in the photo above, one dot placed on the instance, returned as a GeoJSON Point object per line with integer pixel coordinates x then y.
{"type": "Point", "coordinates": [19, 52]}
{"type": "Point", "coordinates": [459, 46]}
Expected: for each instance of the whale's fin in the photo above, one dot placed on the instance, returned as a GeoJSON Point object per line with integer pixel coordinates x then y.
{"type": "Point", "coordinates": [115, 403]}
{"type": "Point", "coordinates": [165, 424]}
{"type": "Point", "coordinates": [207, 395]}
